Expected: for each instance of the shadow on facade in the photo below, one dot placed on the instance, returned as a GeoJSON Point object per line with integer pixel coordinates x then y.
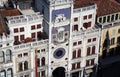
{"type": "Point", "coordinates": [59, 72]}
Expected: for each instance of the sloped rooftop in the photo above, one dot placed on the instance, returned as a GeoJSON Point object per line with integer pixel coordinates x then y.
{"type": "Point", "coordinates": [104, 6]}
{"type": "Point", "coordinates": [10, 12]}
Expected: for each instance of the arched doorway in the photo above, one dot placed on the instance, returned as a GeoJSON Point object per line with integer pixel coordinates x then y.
{"type": "Point", "coordinates": [59, 72]}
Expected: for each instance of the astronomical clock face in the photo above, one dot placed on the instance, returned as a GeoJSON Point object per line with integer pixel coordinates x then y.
{"type": "Point", "coordinates": [59, 53]}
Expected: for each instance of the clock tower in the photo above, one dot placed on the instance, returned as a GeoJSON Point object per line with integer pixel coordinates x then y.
{"type": "Point", "coordinates": [58, 26]}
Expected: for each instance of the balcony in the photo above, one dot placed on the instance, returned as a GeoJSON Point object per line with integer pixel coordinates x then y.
{"type": "Point", "coordinates": [93, 31]}
{"type": "Point", "coordinates": [85, 8]}
{"type": "Point", "coordinates": [24, 72]}
{"type": "Point", "coordinates": [22, 19]}
{"type": "Point", "coordinates": [31, 44]}
{"type": "Point", "coordinates": [58, 2]}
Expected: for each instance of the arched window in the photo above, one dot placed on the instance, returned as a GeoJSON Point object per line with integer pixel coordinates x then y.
{"type": "Point", "coordinates": [43, 61]}
{"type": "Point", "coordinates": [8, 55]}
{"type": "Point", "coordinates": [79, 53]}
{"type": "Point", "coordinates": [25, 65]}
{"type": "Point", "coordinates": [20, 66]}
{"type": "Point", "coordinates": [74, 54]}
{"type": "Point", "coordinates": [1, 56]}
{"type": "Point", "coordinates": [2, 73]}
{"type": "Point", "coordinates": [88, 51]}
{"type": "Point", "coordinates": [9, 72]}
{"type": "Point", "coordinates": [93, 50]}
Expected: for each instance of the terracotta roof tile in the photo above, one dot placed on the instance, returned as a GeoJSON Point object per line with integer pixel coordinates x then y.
{"type": "Point", "coordinates": [104, 6]}
{"type": "Point", "coordinates": [10, 12]}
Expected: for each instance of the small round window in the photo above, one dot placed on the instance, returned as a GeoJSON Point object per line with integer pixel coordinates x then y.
{"type": "Point", "coordinates": [59, 53]}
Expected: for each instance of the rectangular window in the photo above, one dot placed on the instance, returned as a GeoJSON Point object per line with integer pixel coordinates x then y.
{"type": "Point", "coordinates": [93, 50]}
{"type": "Point", "coordinates": [79, 42]}
{"type": "Point", "coordinates": [118, 30]}
{"type": "Point", "coordinates": [22, 29]}
{"type": "Point", "coordinates": [43, 73]}
{"type": "Point", "coordinates": [87, 63]}
{"type": "Point", "coordinates": [33, 27]}
{"type": "Point", "coordinates": [108, 19]}
{"type": "Point", "coordinates": [76, 19]}
{"type": "Point", "coordinates": [118, 40]}
{"type": "Point", "coordinates": [38, 26]}
{"type": "Point", "coordinates": [88, 51]}
{"type": "Point", "coordinates": [94, 39]}
{"type": "Point", "coordinates": [112, 41]}
{"type": "Point", "coordinates": [25, 54]}
{"type": "Point", "coordinates": [42, 50]}
{"type": "Point", "coordinates": [92, 62]}
{"type": "Point", "coordinates": [78, 65]}
{"type": "Point", "coordinates": [15, 30]}
{"type": "Point", "coordinates": [73, 66]}
{"type": "Point", "coordinates": [104, 19]}
{"type": "Point", "coordinates": [89, 24]}
{"type": "Point", "coordinates": [16, 38]}
{"type": "Point", "coordinates": [85, 25]}
{"type": "Point", "coordinates": [79, 53]}
{"type": "Point", "coordinates": [19, 55]}
{"type": "Point", "coordinates": [76, 27]}
{"type": "Point", "coordinates": [21, 37]}
{"type": "Point", "coordinates": [112, 18]}
{"type": "Point", "coordinates": [113, 32]}
{"type": "Point", "coordinates": [116, 17]}
{"type": "Point", "coordinates": [100, 20]}
{"type": "Point", "coordinates": [74, 54]}
{"type": "Point", "coordinates": [90, 16]}
{"type": "Point", "coordinates": [89, 40]}
{"type": "Point", "coordinates": [85, 17]}
{"type": "Point", "coordinates": [74, 43]}
{"type": "Point", "coordinates": [33, 35]}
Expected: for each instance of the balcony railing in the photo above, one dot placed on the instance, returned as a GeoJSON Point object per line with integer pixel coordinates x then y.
{"type": "Point", "coordinates": [111, 24]}
{"type": "Point", "coordinates": [85, 8]}
{"type": "Point", "coordinates": [84, 33]}
{"type": "Point", "coordinates": [24, 18]}
{"type": "Point", "coordinates": [57, 2]}
{"type": "Point", "coordinates": [31, 44]}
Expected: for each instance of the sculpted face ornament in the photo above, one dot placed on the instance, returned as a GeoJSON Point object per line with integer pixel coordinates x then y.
{"type": "Point", "coordinates": [59, 53]}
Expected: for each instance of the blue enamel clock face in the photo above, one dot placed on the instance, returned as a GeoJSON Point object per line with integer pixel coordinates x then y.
{"type": "Point", "coordinates": [59, 53]}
